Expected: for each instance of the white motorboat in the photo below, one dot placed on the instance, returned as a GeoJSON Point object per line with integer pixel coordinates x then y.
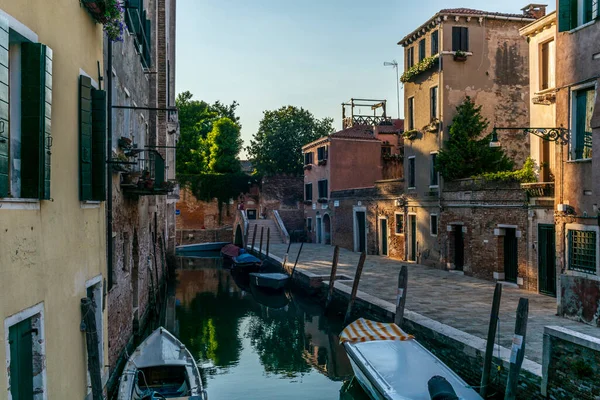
{"type": "Point", "coordinates": [161, 368]}
{"type": "Point", "coordinates": [391, 365]}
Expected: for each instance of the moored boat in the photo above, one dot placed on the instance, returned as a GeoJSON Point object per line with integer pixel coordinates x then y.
{"type": "Point", "coordinates": [274, 280]}
{"type": "Point", "coordinates": [391, 365]}
{"type": "Point", "coordinates": [200, 247]}
{"type": "Point", "coordinates": [228, 252]}
{"type": "Point", "coordinates": [161, 368]}
{"type": "Point", "coordinates": [246, 262]}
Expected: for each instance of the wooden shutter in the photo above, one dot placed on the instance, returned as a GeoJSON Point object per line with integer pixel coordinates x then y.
{"type": "Point", "coordinates": [159, 172]}
{"type": "Point", "coordinates": [21, 360]}
{"type": "Point", "coordinates": [148, 46]}
{"type": "Point", "coordinates": [455, 38]}
{"type": "Point", "coordinates": [564, 15]}
{"type": "Point", "coordinates": [98, 145]}
{"type": "Point", "coordinates": [36, 126]}
{"type": "Point", "coordinates": [4, 139]}
{"type": "Point", "coordinates": [588, 10]}
{"type": "Point", "coordinates": [464, 39]}
{"type": "Point", "coordinates": [85, 138]}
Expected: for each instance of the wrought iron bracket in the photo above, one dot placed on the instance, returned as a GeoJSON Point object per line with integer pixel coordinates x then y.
{"type": "Point", "coordinates": [559, 135]}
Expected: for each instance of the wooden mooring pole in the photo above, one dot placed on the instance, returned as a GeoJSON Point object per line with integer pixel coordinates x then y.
{"type": "Point", "coordinates": [268, 239]}
{"type": "Point", "coordinates": [517, 352]}
{"type": "Point", "coordinates": [334, 264]}
{"type": "Point", "coordinates": [297, 258]}
{"type": "Point", "coordinates": [401, 295]}
{"type": "Point", "coordinates": [359, 269]}
{"type": "Point", "coordinates": [91, 339]}
{"type": "Point", "coordinates": [262, 230]}
{"type": "Point", "coordinates": [254, 237]}
{"type": "Point", "coordinates": [285, 258]}
{"type": "Point", "coordinates": [491, 337]}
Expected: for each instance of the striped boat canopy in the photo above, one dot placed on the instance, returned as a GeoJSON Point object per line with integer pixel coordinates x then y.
{"type": "Point", "coordinates": [364, 330]}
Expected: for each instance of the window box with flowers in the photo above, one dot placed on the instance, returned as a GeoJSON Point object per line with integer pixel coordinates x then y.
{"type": "Point", "coordinates": [322, 200]}
{"type": "Point", "coordinates": [433, 125]}
{"type": "Point", "coordinates": [426, 64]}
{"type": "Point", "coordinates": [307, 202]}
{"type": "Point", "coordinates": [410, 135]}
{"type": "Point", "coordinates": [322, 162]}
{"type": "Point", "coordinates": [307, 167]}
{"type": "Point", "coordinates": [460, 55]}
{"type": "Point", "coordinates": [109, 13]}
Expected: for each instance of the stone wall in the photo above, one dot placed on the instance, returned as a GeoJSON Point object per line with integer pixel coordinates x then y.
{"type": "Point", "coordinates": [193, 236]}
{"type": "Point", "coordinates": [579, 298]}
{"type": "Point", "coordinates": [195, 214]}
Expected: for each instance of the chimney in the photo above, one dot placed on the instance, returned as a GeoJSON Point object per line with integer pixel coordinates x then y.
{"type": "Point", "coordinates": [536, 11]}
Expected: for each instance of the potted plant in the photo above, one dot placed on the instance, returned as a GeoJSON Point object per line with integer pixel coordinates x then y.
{"type": "Point", "coordinates": [460, 55]}
{"type": "Point", "coordinates": [322, 162]}
{"type": "Point", "coordinates": [108, 13]}
{"type": "Point", "coordinates": [433, 125]}
{"type": "Point", "coordinates": [322, 200]}
{"type": "Point", "coordinates": [410, 135]}
{"type": "Point", "coordinates": [125, 143]}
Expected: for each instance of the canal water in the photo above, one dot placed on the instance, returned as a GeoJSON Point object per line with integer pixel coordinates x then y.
{"type": "Point", "coordinates": [257, 345]}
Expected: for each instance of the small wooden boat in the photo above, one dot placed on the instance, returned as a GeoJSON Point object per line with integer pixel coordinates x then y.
{"type": "Point", "coordinates": [200, 247]}
{"type": "Point", "coordinates": [228, 252]}
{"type": "Point", "coordinates": [161, 368]}
{"type": "Point", "coordinates": [247, 262]}
{"type": "Point", "coordinates": [274, 280]}
{"type": "Point", "coordinates": [391, 365]}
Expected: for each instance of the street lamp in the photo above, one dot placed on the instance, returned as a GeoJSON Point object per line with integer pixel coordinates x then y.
{"type": "Point", "coordinates": [560, 135]}
{"type": "Point", "coordinates": [394, 64]}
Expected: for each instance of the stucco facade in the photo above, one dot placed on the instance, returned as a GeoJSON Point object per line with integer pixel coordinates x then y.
{"type": "Point", "coordinates": [52, 251]}
{"type": "Point", "coordinates": [492, 70]}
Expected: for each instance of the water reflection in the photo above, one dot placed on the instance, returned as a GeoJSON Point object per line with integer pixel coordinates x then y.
{"type": "Point", "coordinates": [264, 344]}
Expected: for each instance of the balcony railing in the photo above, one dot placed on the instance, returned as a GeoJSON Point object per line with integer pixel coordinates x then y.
{"type": "Point", "coordinates": [146, 177]}
{"type": "Point", "coordinates": [369, 120]}
{"type": "Point", "coordinates": [539, 189]}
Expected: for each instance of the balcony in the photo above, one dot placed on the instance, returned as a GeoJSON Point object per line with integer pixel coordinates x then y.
{"type": "Point", "coordinates": [538, 189]}
{"type": "Point", "coordinates": [146, 175]}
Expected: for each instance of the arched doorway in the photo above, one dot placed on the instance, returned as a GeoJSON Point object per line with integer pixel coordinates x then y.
{"type": "Point", "coordinates": [238, 240]}
{"type": "Point", "coordinates": [326, 229]}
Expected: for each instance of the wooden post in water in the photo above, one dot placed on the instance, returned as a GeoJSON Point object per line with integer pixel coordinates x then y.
{"type": "Point", "coordinates": [518, 350]}
{"type": "Point", "coordinates": [359, 269]}
{"type": "Point", "coordinates": [254, 237]}
{"type": "Point", "coordinates": [286, 255]}
{"type": "Point", "coordinates": [262, 230]}
{"type": "Point", "coordinates": [268, 239]}
{"type": "Point", "coordinates": [297, 258]}
{"type": "Point", "coordinates": [401, 295]}
{"type": "Point", "coordinates": [334, 264]}
{"type": "Point", "coordinates": [91, 339]}
{"type": "Point", "coordinates": [489, 347]}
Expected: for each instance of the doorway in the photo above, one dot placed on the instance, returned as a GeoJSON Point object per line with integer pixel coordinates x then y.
{"type": "Point", "coordinates": [318, 230]}
{"type": "Point", "coordinates": [251, 213]}
{"type": "Point", "coordinates": [547, 259]}
{"type": "Point", "coordinates": [412, 241]}
{"type": "Point", "coordinates": [459, 247]}
{"type": "Point", "coordinates": [326, 229]}
{"type": "Point", "coordinates": [510, 255]}
{"type": "Point", "coordinates": [360, 231]}
{"type": "Point", "coordinates": [383, 236]}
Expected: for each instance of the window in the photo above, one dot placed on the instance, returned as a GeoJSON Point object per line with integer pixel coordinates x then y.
{"type": "Point", "coordinates": [25, 121]}
{"type": "Point", "coordinates": [410, 57]}
{"type": "Point", "coordinates": [433, 103]}
{"type": "Point", "coordinates": [573, 13]}
{"type": "Point", "coordinates": [547, 51]}
{"type": "Point", "coordinates": [322, 153]}
{"type": "Point", "coordinates": [421, 49]}
{"type": "Point", "coordinates": [433, 173]}
{"type": "Point", "coordinates": [323, 189]}
{"type": "Point", "coordinates": [583, 109]}
{"type": "Point", "coordinates": [308, 158]}
{"type": "Point", "coordinates": [399, 223]}
{"type": "Point", "coordinates": [141, 28]}
{"type": "Point", "coordinates": [411, 113]}
{"type": "Point", "coordinates": [460, 38]}
{"type": "Point", "coordinates": [435, 44]}
{"type": "Point", "coordinates": [309, 224]}
{"type": "Point", "coordinates": [308, 192]}
{"type": "Point", "coordinates": [433, 224]}
{"type": "Point", "coordinates": [92, 141]}
{"type": "Point", "coordinates": [411, 172]}
{"type": "Point", "coordinates": [582, 251]}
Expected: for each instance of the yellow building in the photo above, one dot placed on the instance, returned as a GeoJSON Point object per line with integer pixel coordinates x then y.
{"type": "Point", "coordinates": [52, 235]}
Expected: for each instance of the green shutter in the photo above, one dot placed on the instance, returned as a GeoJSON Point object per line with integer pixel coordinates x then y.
{"type": "Point", "coordinates": [98, 144]}
{"type": "Point", "coordinates": [85, 138]}
{"type": "Point", "coordinates": [148, 46]}
{"type": "Point", "coordinates": [36, 110]}
{"type": "Point", "coordinates": [4, 140]}
{"type": "Point", "coordinates": [159, 171]}
{"type": "Point", "coordinates": [21, 360]}
{"type": "Point", "coordinates": [564, 15]}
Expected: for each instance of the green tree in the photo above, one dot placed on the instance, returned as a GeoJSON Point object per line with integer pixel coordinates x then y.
{"type": "Point", "coordinates": [466, 153]}
{"type": "Point", "coordinates": [223, 144]}
{"type": "Point", "coordinates": [277, 146]}
{"type": "Point", "coordinates": [196, 119]}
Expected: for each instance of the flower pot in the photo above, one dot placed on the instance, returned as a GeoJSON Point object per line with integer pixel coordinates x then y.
{"type": "Point", "coordinates": [460, 58]}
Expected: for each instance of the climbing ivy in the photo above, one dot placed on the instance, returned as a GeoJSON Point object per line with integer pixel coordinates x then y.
{"type": "Point", "coordinates": [523, 175]}
{"type": "Point", "coordinates": [422, 66]}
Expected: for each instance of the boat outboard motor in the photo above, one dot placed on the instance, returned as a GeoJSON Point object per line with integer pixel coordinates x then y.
{"type": "Point", "coordinates": [441, 389]}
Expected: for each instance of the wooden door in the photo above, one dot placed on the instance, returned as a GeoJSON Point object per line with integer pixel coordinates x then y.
{"type": "Point", "coordinates": [21, 360]}
{"type": "Point", "coordinates": [547, 259]}
{"type": "Point", "coordinates": [510, 255]}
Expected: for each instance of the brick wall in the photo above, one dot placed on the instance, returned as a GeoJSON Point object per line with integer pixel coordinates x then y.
{"type": "Point", "coordinates": [193, 236]}
{"type": "Point", "coordinates": [282, 192]}
{"type": "Point", "coordinates": [196, 214]}
{"type": "Point", "coordinates": [579, 299]}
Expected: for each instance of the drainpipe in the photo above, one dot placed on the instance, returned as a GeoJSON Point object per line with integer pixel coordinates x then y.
{"type": "Point", "coordinates": [109, 215]}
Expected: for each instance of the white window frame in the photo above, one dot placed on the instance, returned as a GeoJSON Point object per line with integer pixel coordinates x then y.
{"type": "Point", "coordinates": [551, 64]}
{"type": "Point", "coordinates": [396, 224]}
{"type": "Point", "coordinates": [437, 226]}
{"type": "Point", "coordinates": [38, 309]}
{"type": "Point", "coordinates": [573, 117]}
{"type": "Point", "coordinates": [586, 228]}
{"type": "Point", "coordinates": [414, 172]}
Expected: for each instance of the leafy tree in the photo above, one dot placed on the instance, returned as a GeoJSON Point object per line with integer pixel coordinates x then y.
{"type": "Point", "coordinates": [466, 154]}
{"type": "Point", "coordinates": [277, 146]}
{"type": "Point", "coordinates": [223, 144]}
{"type": "Point", "coordinates": [196, 119]}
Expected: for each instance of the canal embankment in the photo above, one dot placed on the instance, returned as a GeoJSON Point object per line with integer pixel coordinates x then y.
{"type": "Point", "coordinates": [449, 314]}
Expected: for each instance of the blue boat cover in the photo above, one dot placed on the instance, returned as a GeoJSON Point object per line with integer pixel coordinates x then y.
{"type": "Point", "coordinates": [245, 258]}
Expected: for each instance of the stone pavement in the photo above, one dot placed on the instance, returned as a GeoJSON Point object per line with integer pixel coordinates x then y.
{"type": "Point", "coordinates": [453, 299]}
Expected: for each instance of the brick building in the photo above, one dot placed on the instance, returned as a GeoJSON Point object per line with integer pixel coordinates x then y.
{"type": "Point", "coordinates": [457, 53]}
{"type": "Point", "coordinates": [142, 169]}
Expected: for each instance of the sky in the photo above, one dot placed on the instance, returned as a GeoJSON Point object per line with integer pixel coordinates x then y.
{"type": "Point", "coordinates": [314, 54]}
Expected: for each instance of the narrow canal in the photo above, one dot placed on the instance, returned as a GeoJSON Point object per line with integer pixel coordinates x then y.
{"type": "Point", "coordinates": [256, 345]}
